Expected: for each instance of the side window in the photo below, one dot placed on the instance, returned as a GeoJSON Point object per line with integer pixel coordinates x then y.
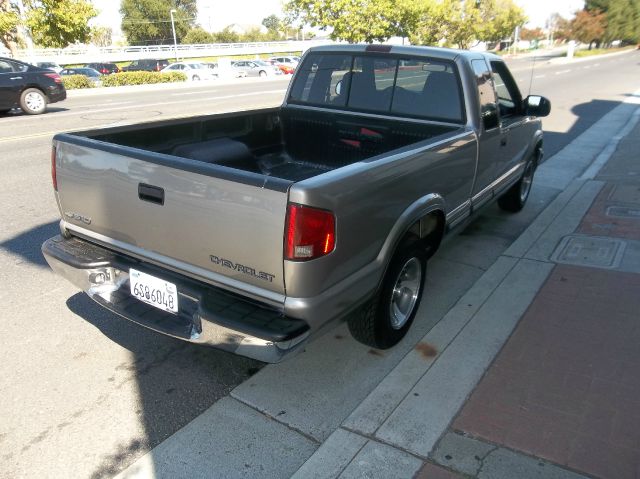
{"type": "Point", "coordinates": [509, 98]}
{"type": "Point", "coordinates": [488, 106]}
{"type": "Point", "coordinates": [428, 88]}
{"type": "Point", "coordinates": [5, 67]}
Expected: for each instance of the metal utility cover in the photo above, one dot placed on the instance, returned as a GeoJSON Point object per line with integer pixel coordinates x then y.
{"type": "Point", "coordinates": [590, 251]}
{"type": "Point", "coordinates": [623, 212]}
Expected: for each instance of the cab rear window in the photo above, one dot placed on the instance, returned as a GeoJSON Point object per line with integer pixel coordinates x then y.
{"type": "Point", "coordinates": [384, 84]}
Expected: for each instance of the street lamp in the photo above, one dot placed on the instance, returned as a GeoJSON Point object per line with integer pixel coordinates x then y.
{"type": "Point", "coordinates": [173, 27]}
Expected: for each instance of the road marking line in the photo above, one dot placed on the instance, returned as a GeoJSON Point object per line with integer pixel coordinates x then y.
{"type": "Point", "coordinates": [193, 93]}
{"type": "Point", "coordinates": [27, 137]}
{"type": "Point", "coordinates": [539, 76]}
{"type": "Point", "coordinates": [562, 71]}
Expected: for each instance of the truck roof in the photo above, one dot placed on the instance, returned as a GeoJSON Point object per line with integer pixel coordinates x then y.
{"type": "Point", "coordinates": [433, 52]}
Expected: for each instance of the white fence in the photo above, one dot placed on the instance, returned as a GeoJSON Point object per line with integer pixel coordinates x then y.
{"type": "Point", "coordinates": [76, 55]}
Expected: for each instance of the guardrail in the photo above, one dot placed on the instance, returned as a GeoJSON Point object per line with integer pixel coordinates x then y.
{"type": "Point", "coordinates": [76, 55]}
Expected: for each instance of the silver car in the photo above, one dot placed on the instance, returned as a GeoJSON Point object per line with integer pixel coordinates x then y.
{"type": "Point", "coordinates": [256, 68]}
{"type": "Point", "coordinates": [195, 71]}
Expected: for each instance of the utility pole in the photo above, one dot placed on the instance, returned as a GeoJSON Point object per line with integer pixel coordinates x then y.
{"type": "Point", "coordinates": [173, 27]}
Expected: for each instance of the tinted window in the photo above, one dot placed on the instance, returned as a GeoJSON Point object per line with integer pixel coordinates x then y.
{"type": "Point", "coordinates": [509, 99]}
{"type": "Point", "coordinates": [484, 80]}
{"type": "Point", "coordinates": [380, 84]}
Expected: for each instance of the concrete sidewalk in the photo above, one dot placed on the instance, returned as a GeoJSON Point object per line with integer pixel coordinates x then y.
{"type": "Point", "coordinates": [464, 395]}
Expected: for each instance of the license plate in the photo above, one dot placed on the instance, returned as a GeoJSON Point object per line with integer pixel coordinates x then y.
{"type": "Point", "coordinates": [154, 291]}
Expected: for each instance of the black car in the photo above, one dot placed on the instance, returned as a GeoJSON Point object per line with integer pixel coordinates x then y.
{"type": "Point", "coordinates": [147, 65]}
{"type": "Point", "coordinates": [104, 68]}
{"type": "Point", "coordinates": [29, 87]}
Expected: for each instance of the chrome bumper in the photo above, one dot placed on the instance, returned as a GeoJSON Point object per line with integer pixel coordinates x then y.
{"type": "Point", "coordinates": [207, 314]}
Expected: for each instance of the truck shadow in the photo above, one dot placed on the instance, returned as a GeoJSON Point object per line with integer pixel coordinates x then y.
{"type": "Point", "coordinates": [27, 244]}
{"type": "Point", "coordinates": [586, 115]}
{"type": "Point", "coordinates": [176, 381]}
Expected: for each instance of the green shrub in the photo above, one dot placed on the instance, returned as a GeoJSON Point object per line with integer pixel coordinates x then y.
{"type": "Point", "coordinates": [142, 78]}
{"type": "Point", "coordinates": [74, 82]}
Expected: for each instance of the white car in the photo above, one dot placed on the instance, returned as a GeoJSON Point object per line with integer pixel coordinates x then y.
{"type": "Point", "coordinates": [195, 71]}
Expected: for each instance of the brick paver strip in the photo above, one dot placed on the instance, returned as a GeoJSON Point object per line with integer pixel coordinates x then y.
{"type": "Point", "coordinates": [431, 471]}
{"type": "Point", "coordinates": [598, 223]}
{"type": "Point", "coordinates": [566, 386]}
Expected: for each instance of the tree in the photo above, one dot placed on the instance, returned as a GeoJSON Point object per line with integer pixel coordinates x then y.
{"type": "Point", "coordinates": [198, 35]}
{"type": "Point", "coordinates": [101, 36]}
{"type": "Point", "coordinates": [226, 36]}
{"type": "Point", "coordinates": [52, 23]}
{"type": "Point", "coordinates": [500, 19]}
{"type": "Point", "coordinates": [9, 21]}
{"type": "Point", "coordinates": [149, 21]}
{"type": "Point", "coordinates": [623, 18]}
{"type": "Point", "coordinates": [350, 20]}
{"type": "Point", "coordinates": [531, 34]}
{"type": "Point", "coordinates": [589, 26]}
{"type": "Point", "coordinates": [272, 23]}
{"type": "Point", "coordinates": [56, 23]}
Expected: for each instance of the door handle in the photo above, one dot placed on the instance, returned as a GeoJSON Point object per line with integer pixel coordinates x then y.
{"type": "Point", "coordinates": [15, 78]}
{"type": "Point", "coordinates": [503, 142]}
{"type": "Point", "coordinates": [150, 193]}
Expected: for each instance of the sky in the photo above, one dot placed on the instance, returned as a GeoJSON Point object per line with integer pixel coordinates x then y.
{"type": "Point", "coordinates": [214, 15]}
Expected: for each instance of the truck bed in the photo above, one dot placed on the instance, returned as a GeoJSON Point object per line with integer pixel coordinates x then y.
{"type": "Point", "coordinates": [292, 144]}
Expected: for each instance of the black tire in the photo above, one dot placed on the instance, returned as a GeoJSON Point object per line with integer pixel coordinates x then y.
{"type": "Point", "coordinates": [33, 101]}
{"type": "Point", "coordinates": [516, 197]}
{"type": "Point", "coordinates": [195, 78]}
{"type": "Point", "coordinates": [374, 324]}
{"type": "Point", "coordinates": [262, 73]}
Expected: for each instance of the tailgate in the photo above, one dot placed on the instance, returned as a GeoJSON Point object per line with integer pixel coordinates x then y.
{"type": "Point", "coordinates": [216, 224]}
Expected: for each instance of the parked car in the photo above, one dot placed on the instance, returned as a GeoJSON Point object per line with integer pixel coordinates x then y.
{"type": "Point", "coordinates": [104, 68]}
{"type": "Point", "coordinates": [255, 68]}
{"type": "Point", "coordinates": [287, 60]}
{"type": "Point", "coordinates": [50, 66]}
{"type": "Point", "coordinates": [28, 86]}
{"type": "Point", "coordinates": [284, 68]}
{"type": "Point", "coordinates": [252, 231]}
{"type": "Point", "coordinates": [146, 65]}
{"type": "Point", "coordinates": [211, 66]}
{"type": "Point", "coordinates": [94, 75]}
{"type": "Point", "coordinates": [194, 70]}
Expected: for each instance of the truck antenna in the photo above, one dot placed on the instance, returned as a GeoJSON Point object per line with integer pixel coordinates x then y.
{"type": "Point", "coordinates": [533, 65]}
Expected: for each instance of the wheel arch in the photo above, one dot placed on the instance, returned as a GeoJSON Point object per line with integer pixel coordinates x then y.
{"type": "Point", "coordinates": [423, 221]}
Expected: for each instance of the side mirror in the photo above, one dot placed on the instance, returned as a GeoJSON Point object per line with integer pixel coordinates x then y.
{"type": "Point", "coordinates": [535, 105]}
{"type": "Point", "coordinates": [490, 117]}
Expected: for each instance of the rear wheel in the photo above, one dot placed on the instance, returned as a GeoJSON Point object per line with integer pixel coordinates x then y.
{"type": "Point", "coordinates": [516, 197]}
{"type": "Point", "coordinates": [262, 73]}
{"type": "Point", "coordinates": [385, 319]}
{"type": "Point", "coordinates": [33, 101]}
{"type": "Point", "coordinates": [195, 78]}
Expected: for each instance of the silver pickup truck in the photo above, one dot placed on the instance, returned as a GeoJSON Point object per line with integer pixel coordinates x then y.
{"type": "Point", "coordinates": [253, 231]}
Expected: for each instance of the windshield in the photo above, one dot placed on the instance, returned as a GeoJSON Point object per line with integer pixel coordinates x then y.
{"type": "Point", "coordinates": [418, 87]}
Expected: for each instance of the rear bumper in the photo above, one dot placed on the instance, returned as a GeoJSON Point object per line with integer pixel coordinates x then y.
{"type": "Point", "coordinates": [56, 93]}
{"type": "Point", "coordinates": [207, 315]}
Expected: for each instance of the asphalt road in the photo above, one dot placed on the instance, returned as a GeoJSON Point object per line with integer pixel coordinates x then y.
{"type": "Point", "coordinates": [84, 393]}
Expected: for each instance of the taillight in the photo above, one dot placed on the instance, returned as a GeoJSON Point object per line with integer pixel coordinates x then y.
{"type": "Point", "coordinates": [56, 78]}
{"type": "Point", "coordinates": [54, 177]}
{"type": "Point", "coordinates": [310, 233]}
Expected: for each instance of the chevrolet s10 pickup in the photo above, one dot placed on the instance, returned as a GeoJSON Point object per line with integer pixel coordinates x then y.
{"type": "Point", "coordinates": [253, 231]}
